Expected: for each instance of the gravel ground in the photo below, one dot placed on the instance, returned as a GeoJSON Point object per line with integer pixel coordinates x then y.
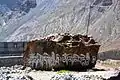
{"type": "Point", "coordinates": [17, 73]}
{"type": "Point", "coordinates": [13, 73]}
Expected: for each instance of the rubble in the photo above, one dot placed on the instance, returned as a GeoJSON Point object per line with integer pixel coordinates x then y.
{"type": "Point", "coordinates": [13, 73]}
{"type": "Point", "coordinates": [72, 77]}
{"type": "Point", "coordinates": [17, 73]}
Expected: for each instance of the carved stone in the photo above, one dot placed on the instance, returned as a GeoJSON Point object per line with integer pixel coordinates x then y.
{"type": "Point", "coordinates": [73, 52]}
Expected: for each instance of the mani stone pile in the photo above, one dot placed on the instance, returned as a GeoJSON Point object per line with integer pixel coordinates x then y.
{"type": "Point", "coordinates": [66, 37]}
{"type": "Point", "coordinates": [61, 51]}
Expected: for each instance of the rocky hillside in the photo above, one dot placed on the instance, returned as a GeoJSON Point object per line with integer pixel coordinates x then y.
{"type": "Point", "coordinates": [10, 11]}
{"type": "Point", "coordinates": [51, 16]}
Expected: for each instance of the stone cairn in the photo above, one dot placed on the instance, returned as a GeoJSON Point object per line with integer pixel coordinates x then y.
{"type": "Point", "coordinates": [62, 51]}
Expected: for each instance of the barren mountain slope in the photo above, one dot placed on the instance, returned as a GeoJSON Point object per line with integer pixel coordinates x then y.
{"type": "Point", "coordinates": [51, 16]}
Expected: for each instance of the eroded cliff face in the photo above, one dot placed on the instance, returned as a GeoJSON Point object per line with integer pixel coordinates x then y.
{"type": "Point", "coordinates": [60, 16]}
{"type": "Point", "coordinates": [107, 28]}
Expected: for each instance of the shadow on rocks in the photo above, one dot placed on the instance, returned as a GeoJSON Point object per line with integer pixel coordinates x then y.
{"type": "Point", "coordinates": [29, 77]}
{"type": "Point", "coordinates": [115, 77]}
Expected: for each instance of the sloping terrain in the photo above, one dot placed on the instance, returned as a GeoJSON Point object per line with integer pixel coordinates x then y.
{"type": "Point", "coordinates": [51, 16]}
{"type": "Point", "coordinates": [11, 12]}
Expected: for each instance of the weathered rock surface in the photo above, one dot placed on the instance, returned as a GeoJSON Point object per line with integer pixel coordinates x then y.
{"type": "Point", "coordinates": [62, 51]}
